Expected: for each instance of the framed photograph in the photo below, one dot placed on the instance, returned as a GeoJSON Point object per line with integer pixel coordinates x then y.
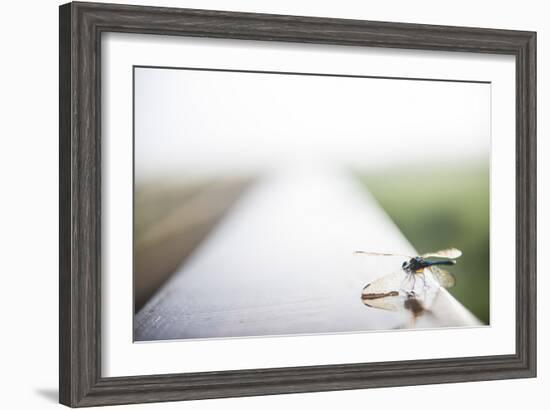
{"type": "Point", "coordinates": [259, 204]}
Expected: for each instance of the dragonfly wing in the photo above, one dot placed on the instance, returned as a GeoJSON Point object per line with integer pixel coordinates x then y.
{"type": "Point", "coordinates": [384, 293]}
{"type": "Point", "coordinates": [445, 278]}
{"type": "Point", "coordinates": [451, 253]}
{"type": "Point", "coordinates": [381, 254]}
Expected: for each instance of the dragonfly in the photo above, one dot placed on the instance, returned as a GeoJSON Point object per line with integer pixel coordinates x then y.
{"type": "Point", "coordinates": [414, 266]}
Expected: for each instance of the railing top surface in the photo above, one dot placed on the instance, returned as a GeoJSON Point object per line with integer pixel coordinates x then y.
{"type": "Point", "coordinates": [281, 262]}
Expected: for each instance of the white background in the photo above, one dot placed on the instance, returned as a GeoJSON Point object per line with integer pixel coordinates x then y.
{"type": "Point", "coordinates": [28, 176]}
{"type": "Point", "coordinates": [120, 357]}
{"type": "Point", "coordinates": [323, 130]}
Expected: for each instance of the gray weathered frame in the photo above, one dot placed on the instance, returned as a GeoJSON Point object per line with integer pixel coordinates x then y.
{"type": "Point", "coordinates": [81, 26]}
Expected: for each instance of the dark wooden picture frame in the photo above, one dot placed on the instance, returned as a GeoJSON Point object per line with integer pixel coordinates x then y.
{"type": "Point", "coordinates": [81, 27]}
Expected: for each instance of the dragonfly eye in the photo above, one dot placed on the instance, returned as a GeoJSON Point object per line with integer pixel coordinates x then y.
{"type": "Point", "coordinates": [404, 265]}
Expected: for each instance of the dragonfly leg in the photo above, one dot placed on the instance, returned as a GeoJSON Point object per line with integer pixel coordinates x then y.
{"type": "Point", "coordinates": [424, 284]}
{"type": "Point", "coordinates": [405, 283]}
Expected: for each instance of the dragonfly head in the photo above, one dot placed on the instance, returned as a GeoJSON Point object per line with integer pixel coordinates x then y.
{"type": "Point", "coordinates": [413, 264]}
{"type": "Point", "coordinates": [408, 266]}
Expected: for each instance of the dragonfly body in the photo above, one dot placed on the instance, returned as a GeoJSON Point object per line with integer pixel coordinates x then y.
{"type": "Point", "coordinates": [418, 263]}
{"type": "Point", "coordinates": [414, 267]}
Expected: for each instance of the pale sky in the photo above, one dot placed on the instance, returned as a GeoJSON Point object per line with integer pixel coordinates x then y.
{"type": "Point", "coordinates": [199, 122]}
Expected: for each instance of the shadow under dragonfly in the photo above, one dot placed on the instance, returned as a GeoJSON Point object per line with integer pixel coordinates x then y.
{"type": "Point", "coordinates": [387, 293]}
{"type": "Point", "coordinates": [401, 291]}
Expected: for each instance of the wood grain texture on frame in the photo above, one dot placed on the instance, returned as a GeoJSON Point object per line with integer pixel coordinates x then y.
{"type": "Point", "coordinates": [81, 25]}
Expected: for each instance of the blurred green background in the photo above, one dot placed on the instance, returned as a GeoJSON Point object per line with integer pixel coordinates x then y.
{"type": "Point", "coordinates": [440, 207]}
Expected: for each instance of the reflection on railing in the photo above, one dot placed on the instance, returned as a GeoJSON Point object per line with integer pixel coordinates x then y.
{"type": "Point", "coordinates": [424, 299]}
{"type": "Point", "coordinates": [415, 286]}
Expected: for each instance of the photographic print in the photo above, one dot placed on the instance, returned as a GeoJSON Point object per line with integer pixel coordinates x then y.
{"type": "Point", "coordinates": [277, 203]}
{"type": "Point", "coordinates": [256, 204]}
